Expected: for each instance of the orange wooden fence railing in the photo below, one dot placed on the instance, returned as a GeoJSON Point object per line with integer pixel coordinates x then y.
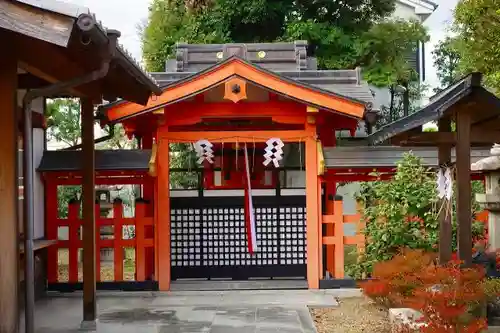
{"type": "Point", "coordinates": [336, 239]}
{"type": "Point", "coordinates": [140, 242]}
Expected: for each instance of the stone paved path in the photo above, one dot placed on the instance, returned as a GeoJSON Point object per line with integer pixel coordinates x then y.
{"type": "Point", "coordinates": [264, 311]}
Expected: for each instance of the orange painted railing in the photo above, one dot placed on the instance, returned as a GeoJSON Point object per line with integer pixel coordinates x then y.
{"type": "Point", "coordinates": [338, 240]}
{"type": "Point", "coordinates": [140, 226]}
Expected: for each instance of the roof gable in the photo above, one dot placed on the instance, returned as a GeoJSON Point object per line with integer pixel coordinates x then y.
{"type": "Point", "coordinates": [237, 67]}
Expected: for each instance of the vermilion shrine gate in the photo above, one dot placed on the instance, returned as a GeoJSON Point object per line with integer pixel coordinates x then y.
{"type": "Point", "coordinates": [199, 231]}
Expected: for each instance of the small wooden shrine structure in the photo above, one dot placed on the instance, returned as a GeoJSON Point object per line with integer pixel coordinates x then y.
{"type": "Point", "coordinates": [190, 219]}
{"type": "Point", "coordinates": [475, 111]}
{"type": "Point", "coordinates": [233, 103]}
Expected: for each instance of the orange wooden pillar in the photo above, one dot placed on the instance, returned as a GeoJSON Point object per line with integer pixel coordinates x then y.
{"type": "Point", "coordinates": [312, 207]}
{"type": "Point", "coordinates": [9, 250]}
{"type": "Point", "coordinates": [162, 213]}
{"type": "Point", "coordinates": [330, 192]}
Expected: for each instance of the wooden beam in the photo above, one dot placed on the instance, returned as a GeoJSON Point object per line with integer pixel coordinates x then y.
{"type": "Point", "coordinates": [445, 227]}
{"type": "Point", "coordinates": [89, 228]}
{"type": "Point", "coordinates": [36, 23]}
{"type": "Point", "coordinates": [28, 81]}
{"type": "Point", "coordinates": [52, 64]}
{"type": "Point", "coordinates": [9, 235]}
{"type": "Point", "coordinates": [463, 180]}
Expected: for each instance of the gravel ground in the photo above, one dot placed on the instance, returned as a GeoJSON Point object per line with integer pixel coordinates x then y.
{"type": "Point", "coordinates": [107, 271]}
{"type": "Point", "coordinates": [353, 315]}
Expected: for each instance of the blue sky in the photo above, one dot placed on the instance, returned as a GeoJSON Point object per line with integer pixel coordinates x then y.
{"type": "Point", "coordinates": [127, 15]}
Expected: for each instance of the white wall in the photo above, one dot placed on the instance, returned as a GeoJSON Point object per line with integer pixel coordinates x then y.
{"type": "Point", "coordinates": [404, 11]}
{"type": "Point", "coordinates": [38, 188]}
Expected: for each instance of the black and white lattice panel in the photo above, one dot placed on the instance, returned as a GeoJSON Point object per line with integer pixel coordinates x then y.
{"type": "Point", "coordinates": [224, 238]}
{"type": "Point", "coordinates": [292, 229]}
{"type": "Point", "coordinates": [186, 237]}
{"type": "Point", "coordinates": [266, 222]}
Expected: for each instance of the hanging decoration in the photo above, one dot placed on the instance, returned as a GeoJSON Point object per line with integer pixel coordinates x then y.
{"type": "Point", "coordinates": [249, 214]}
{"type": "Point", "coordinates": [444, 183]}
{"type": "Point", "coordinates": [448, 176]}
{"type": "Point", "coordinates": [273, 152]}
{"type": "Point", "coordinates": [204, 151]}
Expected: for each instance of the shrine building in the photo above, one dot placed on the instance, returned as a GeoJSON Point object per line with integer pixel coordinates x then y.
{"type": "Point", "coordinates": [258, 126]}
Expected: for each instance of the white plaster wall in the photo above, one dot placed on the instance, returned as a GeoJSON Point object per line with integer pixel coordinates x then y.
{"type": "Point", "coordinates": [39, 194]}
{"type": "Point", "coordinates": [404, 11]}
{"type": "Point", "coordinates": [348, 193]}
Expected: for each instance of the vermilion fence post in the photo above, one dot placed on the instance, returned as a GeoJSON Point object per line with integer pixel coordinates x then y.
{"type": "Point", "coordinates": [118, 236]}
{"type": "Point", "coordinates": [74, 224]}
{"type": "Point", "coordinates": [140, 251]}
{"type": "Point", "coordinates": [98, 221]}
{"type": "Point", "coordinates": [339, 236]}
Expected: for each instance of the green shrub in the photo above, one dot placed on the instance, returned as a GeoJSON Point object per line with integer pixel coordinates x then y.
{"type": "Point", "coordinates": [400, 213]}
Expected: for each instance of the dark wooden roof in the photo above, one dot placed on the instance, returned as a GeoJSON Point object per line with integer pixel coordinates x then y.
{"type": "Point", "coordinates": [63, 41]}
{"type": "Point", "coordinates": [105, 160]}
{"type": "Point", "coordinates": [467, 93]}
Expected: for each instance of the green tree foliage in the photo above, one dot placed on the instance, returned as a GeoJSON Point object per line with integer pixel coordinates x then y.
{"type": "Point", "coordinates": [402, 213]}
{"type": "Point", "coordinates": [446, 61]}
{"type": "Point", "coordinates": [341, 34]}
{"type": "Point", "coordinates": [477, 25]}
{"type": "Point", "coordinates": [64, 126]}
{"type": "Point", "coordinates": [183, 158]}
{"type": "Point", "coordinates": [384, 50]}
{"type": "Point", "coordinates": [63, 120]}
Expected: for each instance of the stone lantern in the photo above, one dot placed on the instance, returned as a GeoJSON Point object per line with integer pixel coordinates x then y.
{"type": "Point", "coordinates": [490, 167]}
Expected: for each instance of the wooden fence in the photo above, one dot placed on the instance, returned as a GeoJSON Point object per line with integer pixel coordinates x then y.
{"type": "Point", "coordinates": [140, 239]}
{"type": "Point", "coordinates": [335, 240]}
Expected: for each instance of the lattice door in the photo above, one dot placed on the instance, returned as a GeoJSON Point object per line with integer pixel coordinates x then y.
{"type": "Point", "coordinates": [208, 238]}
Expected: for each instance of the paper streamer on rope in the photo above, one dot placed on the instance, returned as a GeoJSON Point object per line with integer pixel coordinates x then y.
{"type": "Point", "coordinates": [204, 151]}
{"type": "Point", "coordinates": [444, 183]}
{"type": "Point", "coordinates": [249, 215]}
{"type": "Point", "coordinates": [273, 152]}
{"type": "Point", "coordinates": [449, 183]}
{"type": "Point", "coordinates": [441, 184]}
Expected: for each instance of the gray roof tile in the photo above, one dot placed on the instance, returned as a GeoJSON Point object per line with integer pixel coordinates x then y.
{"type": "Point", "coordinates": [71, 160]}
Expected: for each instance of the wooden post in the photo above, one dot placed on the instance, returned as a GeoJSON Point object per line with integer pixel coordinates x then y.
{"type": "Point", "coordinates": [321, 269]}
{"type": "Point", "coordinates": [312, 226]}
{"type": "Point", "coordinates": [9, 249]}
{"type": "Point", "coordinates": [338, 211]}
{"type": "Point", "coordinates": [163, 215]}
{"type": "Point", "coordinates": [118, 248]}
{"type": "Point", "coordinates": [330, 189]}
{"type": "Point", "coordinates": [445, 227]}
{"type": "Point", "coordinates": [463, 179]}
{"type": "Point", "coordinates": [89, 228]}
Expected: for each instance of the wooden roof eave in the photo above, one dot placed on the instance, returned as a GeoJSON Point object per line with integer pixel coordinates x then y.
{"type": "Point", "coordinates": [57, 30]}
{"type": "Point", "coordinates": [466, 96]}
{"type": "Point", "coordinates": [439, 107]}
{"type": "Point", "coordinates": [234, 66]}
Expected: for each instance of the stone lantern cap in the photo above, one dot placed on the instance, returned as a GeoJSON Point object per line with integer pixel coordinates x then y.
{"type": "Point", "coordinates": [490, 163]}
